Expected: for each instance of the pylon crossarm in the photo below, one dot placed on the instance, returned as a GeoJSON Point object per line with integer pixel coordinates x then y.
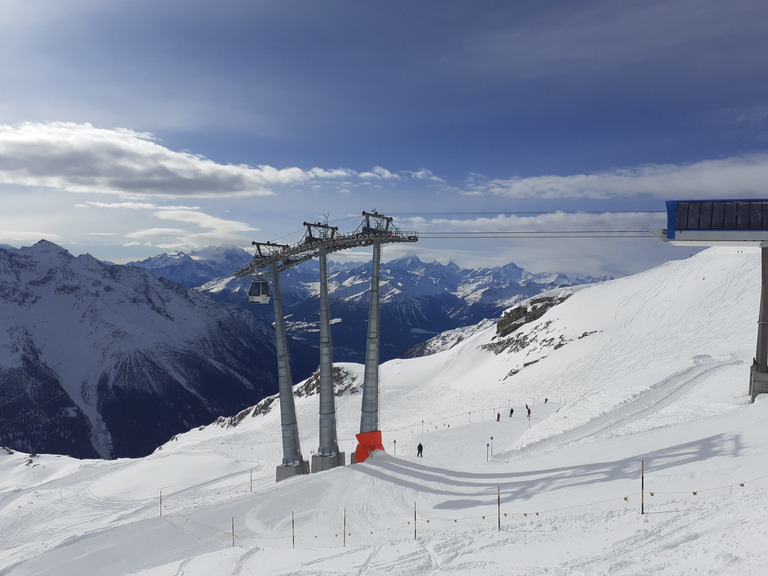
{"type": "Point", "coordinates": [374, 228]}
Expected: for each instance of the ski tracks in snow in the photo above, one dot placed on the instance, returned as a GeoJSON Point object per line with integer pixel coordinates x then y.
{"type": "Point", "coordinates": [645, 404]}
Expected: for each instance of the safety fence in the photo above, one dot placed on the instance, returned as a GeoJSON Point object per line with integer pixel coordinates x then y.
{"type": "Point", "coordinates": [299, 528]}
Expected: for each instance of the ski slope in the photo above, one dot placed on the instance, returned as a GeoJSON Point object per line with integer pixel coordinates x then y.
{"type": "Point", "coordinates": [650, 373]}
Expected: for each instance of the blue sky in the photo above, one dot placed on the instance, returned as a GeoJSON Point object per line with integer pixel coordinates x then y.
{"type": "Point", "coordinates": [131, 128]}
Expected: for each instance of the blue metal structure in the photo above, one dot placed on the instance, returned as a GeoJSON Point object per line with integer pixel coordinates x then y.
{"type": "Point", "coordinates": [717, 222]}
{"type": "Point", "coordinates": [736, 223]}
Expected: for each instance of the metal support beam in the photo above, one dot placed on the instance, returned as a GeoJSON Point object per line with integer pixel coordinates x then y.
{"type": "Point", "coordinates": [293, 463]}
{"type": "Point", "coordinates": [375, 230]}
{"type": "Point", "coordinates": [758, 381]}
{"type": "Point", "coordinates": [328, 452]}
{"type": "Point", "coordinates": [762, 323]}
{"type": "Point", "coordinates": [369, 419]}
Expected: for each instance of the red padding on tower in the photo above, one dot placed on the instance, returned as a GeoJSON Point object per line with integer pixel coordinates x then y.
{"type": "Point", "coordinates": [367, 443]}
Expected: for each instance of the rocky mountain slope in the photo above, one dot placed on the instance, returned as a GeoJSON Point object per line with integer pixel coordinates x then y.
{"type": "Point", "coordinates": [105, 360]}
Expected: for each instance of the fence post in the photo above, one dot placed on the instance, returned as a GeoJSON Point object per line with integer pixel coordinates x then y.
{"type": "Point", "coordinates": [345, 528]}
{"type": "Point", "coordinates": [233, 531]}
{"type": "Point", "coordinates": [161, 503]}
{"type": "Point", "coordinates": [414, 520]}
{"type": "Point", "coordinates": [293, 529]}
{"type": "Point", "coordinates": [642, 487]}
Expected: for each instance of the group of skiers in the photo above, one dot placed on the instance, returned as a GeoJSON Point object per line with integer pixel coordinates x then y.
{"type": "Point", "coordinates": [512, 411]}
{"type": "Point", "coordinates": [420, 448]}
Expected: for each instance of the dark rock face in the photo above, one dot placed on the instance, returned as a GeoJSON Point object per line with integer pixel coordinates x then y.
{"type": "Point", "coordinates": [107, 361]}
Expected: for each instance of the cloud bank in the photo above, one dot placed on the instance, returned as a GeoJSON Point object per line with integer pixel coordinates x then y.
{"type": "Point", "coordinates": [86, 159]}
{"type": "Point", "coordinates": [734, 177]}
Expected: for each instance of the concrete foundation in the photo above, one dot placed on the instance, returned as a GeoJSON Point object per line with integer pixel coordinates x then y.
{"type": "Point", "coordinates": [320, 462]}
{"type": "Point", "coordinates": [758, 383]}
{"type": "Point", "coordinates": [289, 471]}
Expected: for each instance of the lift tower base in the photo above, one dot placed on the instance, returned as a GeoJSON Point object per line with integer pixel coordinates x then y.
{"type": "Point", "coordinates": [285, 471]}
{"type": "Point", "coordinates": [321, 463]}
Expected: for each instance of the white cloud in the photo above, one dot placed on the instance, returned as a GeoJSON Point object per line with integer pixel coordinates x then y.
{"type": "Point", "coordinates": [379, 173]}
{"type": "Point", "coordinates": [133, 206]}
{"type": "Point", "coordinates": [425, 174]}
{"type": "Point", "coordinates": [205, 221]}
{"type": "Point", "coordinates": [546, 242]}
{"type": "Point", "coordinates": [85, 159]}
{"type": "Point", "coordinates": [150, 233]}
{"type": "Point", "coordinates": [546, 222]}
{"type": "Point", "coordinates": [25, 237]}
{"type": "Point", "coordinates": [734, 177]}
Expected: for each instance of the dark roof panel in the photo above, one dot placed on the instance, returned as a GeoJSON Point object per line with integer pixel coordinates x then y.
{"type": "Point", "coordinates": [728, 220]}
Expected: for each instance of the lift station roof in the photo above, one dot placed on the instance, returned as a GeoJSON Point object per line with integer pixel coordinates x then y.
{"type": "Point", "coordinates": [717, 222]}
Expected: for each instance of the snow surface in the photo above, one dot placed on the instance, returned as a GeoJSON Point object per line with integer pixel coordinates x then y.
{"type": "Point", "coordinates": [648, 373]}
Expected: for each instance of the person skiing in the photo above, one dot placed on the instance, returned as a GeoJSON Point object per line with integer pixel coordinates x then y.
{"type": "Point", "coordinates": [498, 416]}
{"type": "Point", "coordinates": [419, 450]}
{"type": "Point", "coordinates": [511, 411]}
{"type": "Point", "coordinates": [529, 412]}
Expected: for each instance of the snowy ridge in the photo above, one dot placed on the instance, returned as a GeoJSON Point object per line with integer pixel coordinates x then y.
{"type": "Point", "coordinates": [98, 356]}
{"type": "Point", "coordinates": [659, 381]}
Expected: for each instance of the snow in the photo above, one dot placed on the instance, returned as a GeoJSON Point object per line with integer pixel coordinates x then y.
{"type": "Point", "coordinates": [651, 375]}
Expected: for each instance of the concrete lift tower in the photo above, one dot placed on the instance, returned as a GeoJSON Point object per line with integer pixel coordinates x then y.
{"type": "Point", "coordinates": [379, 229]}
{"type": "Point", "coordinates": [328, 455]}
{"type": "Point", "coordinates": [319, 241]}
{"type": "Point", "coordinates": [275, 258]}
{"type": "Point", "coordinates": [728, 223]}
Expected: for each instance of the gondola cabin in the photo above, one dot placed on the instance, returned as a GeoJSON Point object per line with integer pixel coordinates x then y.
{"type": "Point", "coordinates": [258, 293]}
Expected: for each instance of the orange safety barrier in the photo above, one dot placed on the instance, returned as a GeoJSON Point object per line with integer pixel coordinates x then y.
{"type": "Point", "coordinates": [367, 443]}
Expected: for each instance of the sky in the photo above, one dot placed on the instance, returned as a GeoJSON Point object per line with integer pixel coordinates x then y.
{"type": "Point", "coordinates": [647, 457]}
{"type": "Point", "coordinates": [129, 129]}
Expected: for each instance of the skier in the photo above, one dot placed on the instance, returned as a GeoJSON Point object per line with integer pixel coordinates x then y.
{"type": "Point", "coordinates": [511, 411]}
{"type": "Point", "coordinates": [498, 416]}
{"type": "Point", "coordinates": [529, 413]}
{"type": "Point", "coordinates": [419, 450]}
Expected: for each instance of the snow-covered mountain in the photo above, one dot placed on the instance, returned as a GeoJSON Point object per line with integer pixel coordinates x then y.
{"type": "Point", "coordinates": [418, 300]}
{"type": "Point", "coordinates": [197, 267]}
{"type": "Point", "coordinates": [104, 360]}
{"type": "Point", "coordinates": [642, 455]}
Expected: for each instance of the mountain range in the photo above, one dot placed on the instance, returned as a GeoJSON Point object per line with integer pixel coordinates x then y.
{"type": "Point", "coordinates": [101, 360]}
{"type": "Point", "coordinates": [419, 300]}
{"type": "Point", "coordinates": [104, 360]}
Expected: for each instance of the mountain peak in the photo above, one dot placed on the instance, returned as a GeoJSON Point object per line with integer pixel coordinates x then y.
{"type": "Point", "coordinates": [406, 262]}
{"type": "Point", "coordinates": [45, 247]}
